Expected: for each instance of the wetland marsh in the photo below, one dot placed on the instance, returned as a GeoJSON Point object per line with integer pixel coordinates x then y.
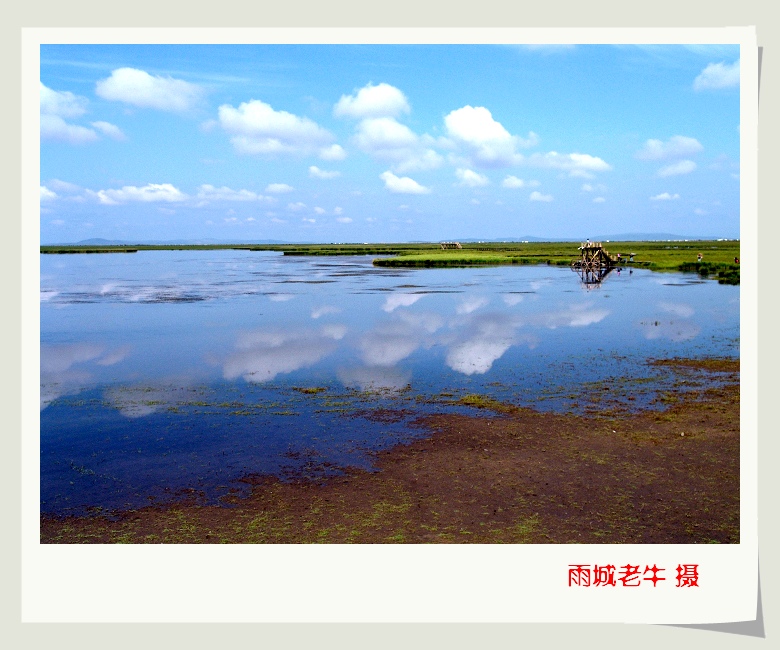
{"type": "Point", "coordinates": [246, 394]}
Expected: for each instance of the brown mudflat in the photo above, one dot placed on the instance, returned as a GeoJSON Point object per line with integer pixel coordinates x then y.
{"type": "Point", "coordinates": [504, 475]}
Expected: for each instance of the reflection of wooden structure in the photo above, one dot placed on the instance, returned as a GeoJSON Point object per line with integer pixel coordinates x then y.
{"type": "Point", "coordinates": [592, 277]}
{"type": "Point", "coordinates": [445, 245]}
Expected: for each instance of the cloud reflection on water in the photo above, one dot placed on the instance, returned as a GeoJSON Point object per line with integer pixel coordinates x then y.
{"type": "Point", "coordinates": [675, 331]}
{"type": "Point", "coordinates": [512, 299]}
{"type": "Point", "coordinates": [574, 316]}
{"type": "Point", "coordinates": [397, 300]}
{"type": "Point", "coordinates": [324, 310]}
{"type": "Point", "coordinates": [481, 340]}
{"type": "Point", "coordinates": [471, 304]}
{"type": "Point", "coordinates": [391, 330]}
{"type": "Point", "coordinates": [678, 309]}
{"type": "Point", "coordinates": [389, 343]}
{"type": "Point", "coordinates": [374, 379]}
{"type": "Point", "coordinates": [280, 297]}
{"type": "Point", "coordinates": [393, 340]}
{"type": "Point", "coordinates": [58, 375]}
{"type": "Point", "coordinates": [139, 401]}
{"type": "Point", "coordinates": [679, 330]}
{"type": "Point", "coordinates": [261, 355]}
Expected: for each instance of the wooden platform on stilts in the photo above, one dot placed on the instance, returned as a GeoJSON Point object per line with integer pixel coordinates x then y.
{"type": "Point", "coordinates": [593, 256]}
{"type": "Point", "coordinates": [594, 263]}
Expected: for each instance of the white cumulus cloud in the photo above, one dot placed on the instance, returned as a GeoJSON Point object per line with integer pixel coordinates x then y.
{"type": "Point", "coordinates": [513, 182]}
{"type": "Point", "coordinates": [665, 197]}
{"type": "Point", "coordinates": [47, 194]}
{"type": "Point", "coordinates": [53, 127]}
{"type": "Point", "coordinates": [279, 188]}
{"type": "Point", "coordinates": [63, 186]}
{"type": "Point", "coordinates": [164, 192]}
{"type": "Point", "coordinates": [678, 146]}
{"type": "Point", "coordinates": [487, 141]}
{"type": "Point", "coordinates": [139, 88]}
{"type": "Point", "coordinates": [402, 185]}
{"type": "Point", "coordinates": [111, 130]}
{"type": "Point", "coordinates": [677, 169]}
{"type": "Point", "coordinates": [211, 193]}
{"type": "Point", "coordinates": [470, 178]}
{"type": "Point", "coordinates": [718, 75]}
{"type": "Point", "coordinates": [538, 196]}
{"type": "Point", "coordinates": [388, 140]}
{"type": "Point", "coordinates": [382, 100]}
{"type": "Point", "coordinates": [316, 172]}
{"type": "Point", "coordinates": [577, 164]}
{"type": "Point", "coordinates": [62, 103]}
{"type": "Point", "coordinates": [55, 107]}
{"type": "Point", "coordinates": [257, 128]}
{"type": "Point", "coordinates": [333, 152]}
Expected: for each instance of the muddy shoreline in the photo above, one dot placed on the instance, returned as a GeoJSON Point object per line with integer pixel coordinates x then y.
{"type": "Point", "coordinates": [502, 475]}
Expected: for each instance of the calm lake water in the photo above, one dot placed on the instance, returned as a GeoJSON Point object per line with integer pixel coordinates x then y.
{"type": "Point", "coordinates": [169, 371]}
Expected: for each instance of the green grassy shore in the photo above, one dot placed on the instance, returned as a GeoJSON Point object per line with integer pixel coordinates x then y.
{"type": "Point", "coordinates": [718, 257]}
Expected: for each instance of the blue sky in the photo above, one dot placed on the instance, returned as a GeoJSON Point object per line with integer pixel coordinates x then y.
{"type": "Point", "coordinates": [370, 143]}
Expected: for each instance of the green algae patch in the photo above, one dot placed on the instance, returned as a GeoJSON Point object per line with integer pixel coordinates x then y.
{"type": "Point", "coordinates": [713, 364]}
{"type": "Point", "coordinates": [485, 402]}
{"type": "Point", "coordinates": [314, 390]}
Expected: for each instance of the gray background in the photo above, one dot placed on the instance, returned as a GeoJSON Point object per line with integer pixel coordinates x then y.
{"type": "Point", "coordinates": [401, 13]}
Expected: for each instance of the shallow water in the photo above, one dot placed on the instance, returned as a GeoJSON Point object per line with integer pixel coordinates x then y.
{"type": "Point", "coordinates": [164, 371]}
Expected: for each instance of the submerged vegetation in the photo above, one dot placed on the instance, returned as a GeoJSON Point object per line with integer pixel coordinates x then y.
{"type": "Point", "coordinates": [719, 258]}
{"type": "Point", "coordinates": [500, 474]}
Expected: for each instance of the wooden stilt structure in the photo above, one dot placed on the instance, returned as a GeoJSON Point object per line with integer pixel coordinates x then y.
{"type": "Point", "coordinates": [594, 256]}
{"type": "Point", "coordinates": [594, 263]}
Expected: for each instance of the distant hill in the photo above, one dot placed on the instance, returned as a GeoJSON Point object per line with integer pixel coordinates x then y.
{"type": "Point", "coordinates": [168, 242]}
{"type": "Point", "coordinates": [658, 236]}
{"type": "Point", "coordinates": [97, 241]}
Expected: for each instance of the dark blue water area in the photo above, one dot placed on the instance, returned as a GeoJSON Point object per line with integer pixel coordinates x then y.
{"type": "Point", "coordinates": [101, 454]}
{"type": "Point", "coordinates": [170, 373]}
